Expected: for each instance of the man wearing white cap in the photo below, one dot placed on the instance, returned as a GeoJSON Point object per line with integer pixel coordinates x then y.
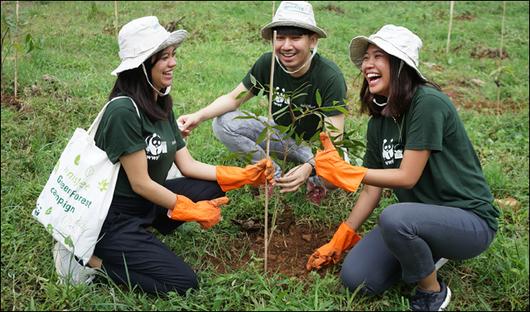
{"type": "Point", "coordinates": [300, 75]}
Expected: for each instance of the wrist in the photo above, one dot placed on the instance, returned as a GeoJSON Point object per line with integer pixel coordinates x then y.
{"type": "Point", "coordinates": [313, 171]}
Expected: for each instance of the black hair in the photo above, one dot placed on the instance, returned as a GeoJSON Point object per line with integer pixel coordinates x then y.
{"type": "Point", "coordinates": [403, 86]}
{"type": "Point", "coordinates": [133, 83]}
{"type": "Point", "coordinates": [292, 31]}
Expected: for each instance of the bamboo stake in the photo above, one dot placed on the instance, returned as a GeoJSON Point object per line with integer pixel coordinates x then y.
{"type": "Point", "coordinates": [16, 51]}
{"type": "Point", "coordinates": [451, 7]}
{"type": "Point", "coordinates": [269, 118]}
{"type": "Point", "coordinates": [116, 17]}
{"type": "Point", "coordinates": [499, 60]}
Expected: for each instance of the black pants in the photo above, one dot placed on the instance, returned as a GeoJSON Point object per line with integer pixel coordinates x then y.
{"type": "Point", "coordinates": [133, 256]}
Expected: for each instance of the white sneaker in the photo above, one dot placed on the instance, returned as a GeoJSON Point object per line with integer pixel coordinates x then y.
{"type": "Point", "coordinates": [440, 263]}
{"type": "Point", "coordinates": [68, 269]}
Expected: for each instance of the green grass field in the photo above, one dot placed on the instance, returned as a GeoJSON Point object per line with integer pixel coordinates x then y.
{"type": "Point", "coordinates": [65, 80]}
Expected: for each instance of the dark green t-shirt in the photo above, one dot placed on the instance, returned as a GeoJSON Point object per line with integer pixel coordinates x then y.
{"type": "Point", "coordinates": [323, 75]}
{"type": "Point", "coordinates": [122, 132]}
{"type": "Point", "coordinates": [453, 175]}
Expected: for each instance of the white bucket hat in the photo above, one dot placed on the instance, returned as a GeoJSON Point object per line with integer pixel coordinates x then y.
{"type": "Point", "coordinates": [394, 40]}
{"type": "Point", "coordinates": [141, 38]}
{"type": "Point", "coordinates": [293, 13]}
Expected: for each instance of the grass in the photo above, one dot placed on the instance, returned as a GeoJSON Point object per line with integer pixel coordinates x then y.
{"type": "Point", "coordinates": [65, 81]}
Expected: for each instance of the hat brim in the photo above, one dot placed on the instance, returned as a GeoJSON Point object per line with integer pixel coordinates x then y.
{"type": "Point", "coordinates": [266, 31]}
{"type": "Point", "coordinates": [174, 39]}
{"type": "Point", "coordinates": [359, 45]}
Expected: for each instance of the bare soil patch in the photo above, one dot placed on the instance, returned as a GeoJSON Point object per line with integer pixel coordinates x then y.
{"type": "Point", "coordinates": [290, 246]}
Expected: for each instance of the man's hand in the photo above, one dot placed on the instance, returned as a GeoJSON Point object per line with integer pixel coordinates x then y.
{"type": "Point", "coordinates": [231, 178]}
{"type": "Point", "coordinates": [186, 123]}
{"type": "Point", "coordinates": [330, 166]}
{"type": "Point", "coordinates": [293, 179]}
{"type": "Point", "coordinates": [206, 212]}
{"type": "Point", "coordinates": [331, 253]}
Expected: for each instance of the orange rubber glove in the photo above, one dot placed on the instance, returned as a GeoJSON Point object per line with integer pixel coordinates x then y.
{"type": "Point", "coordinates": [231, 178]}
{"type": "Point", "coordinates": [330, 166]}
{"type": "Point", "coordinates": [206, 212]}
{"type": "Point", "coordinates": [342, 240]}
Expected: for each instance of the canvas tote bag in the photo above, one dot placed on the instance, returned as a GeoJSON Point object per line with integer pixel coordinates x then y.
{"type": "Point", "coordinates": [74, 202]}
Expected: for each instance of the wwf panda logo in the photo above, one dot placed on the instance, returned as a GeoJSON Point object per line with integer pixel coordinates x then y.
{"type": "Point", "coordinates": [388, 151]}
{"type": "Point", "coordinates": [155, 146]}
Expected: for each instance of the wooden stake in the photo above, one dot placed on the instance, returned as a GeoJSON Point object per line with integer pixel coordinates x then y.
{"type": "Point", "coordinates": [451, 7]}
{"type": "Point", "coordinates": [116, 17]}
{"type": "Point", "coordinates": [269, 118]}
{"type": "Point", "coordinates": [16, 51]}
{"type": "Point", "coordinates": [499, 60]}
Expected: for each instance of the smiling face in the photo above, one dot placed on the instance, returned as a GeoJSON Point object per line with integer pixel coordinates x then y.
{"type": "Point", "coordinates": [294, 50]}
{"type": "Point", "coordinates": [162, 71]}
{"type": "Point", "coordinates": [375, 67]}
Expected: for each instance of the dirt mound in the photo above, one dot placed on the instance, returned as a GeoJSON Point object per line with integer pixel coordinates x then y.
{"type": "Point", "coordinates": [290, 246]}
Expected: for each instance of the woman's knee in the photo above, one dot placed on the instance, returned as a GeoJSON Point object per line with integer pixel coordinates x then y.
{"type": "Point", "coordinates": [357, 281]}
{"type": "Point", "coordinates": [184, 285]}
{"type": "Point", "coordinates": [394, 218]}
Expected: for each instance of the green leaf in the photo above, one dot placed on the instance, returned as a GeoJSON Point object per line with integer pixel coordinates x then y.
{"type": "Point", "coordinates": [68, 241]}
{"type": "Point", "coordinates": [262, 136]}
{"type": "Point", "coordinates": [77, 159]}
{"type": "Point", "coordinates": [318, 98]}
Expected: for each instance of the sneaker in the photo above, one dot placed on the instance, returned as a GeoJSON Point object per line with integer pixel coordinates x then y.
{"type": "Point", "coordinates": [315, 193]}
{"type": "Point", "coordinates": [440, 263]}
{"type": "Point", "coordinates": [68, 268]}
{"type": "Point", "coordinates": [431, 301]}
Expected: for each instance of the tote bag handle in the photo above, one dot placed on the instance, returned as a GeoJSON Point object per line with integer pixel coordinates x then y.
{"type": "Point", "coordinates": [95, 124]}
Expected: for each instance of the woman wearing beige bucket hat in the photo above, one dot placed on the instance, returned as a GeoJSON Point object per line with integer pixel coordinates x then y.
{"type": "Point", "coordinates": [301, 73]}
{"type": "Point", "coordinates": [138, 130]}
{"type": "Point", "coordinates": [418, 147]}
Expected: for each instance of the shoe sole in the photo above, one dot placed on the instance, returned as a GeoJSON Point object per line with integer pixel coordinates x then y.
{"type": "Point", "coordinates": [440, 263]}
{"type": "Point", "coordinates": [446, 300]}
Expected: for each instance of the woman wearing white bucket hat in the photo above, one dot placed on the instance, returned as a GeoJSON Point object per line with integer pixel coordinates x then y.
{"type": "Point", "coordinates": [418, 147]}
{"type": "Point", "coordinates": [146, 141]}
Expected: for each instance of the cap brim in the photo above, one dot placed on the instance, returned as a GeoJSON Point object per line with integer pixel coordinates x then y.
{"type": "Point", "coordinates": [359, 45]}
{"type": "Point", "coordinates": [174, 39]}
{"type": "Point", "coordinates": [266, 31]}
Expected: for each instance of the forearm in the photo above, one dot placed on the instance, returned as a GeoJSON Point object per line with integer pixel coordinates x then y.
{"type": "Point", "coordinates": [198, 170]}
{"type": "Point", "coordinates": [220, 106]}
{"type": "Point", "coordinates": [365, 205]}
{"type": "Point", "coordinates": [156, 193]}
{"type": "Point", "coordinates": [391, 178]}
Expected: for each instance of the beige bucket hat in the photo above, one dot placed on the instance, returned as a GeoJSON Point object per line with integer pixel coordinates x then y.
{"type": "Point", "coordinates": [293, 13]}
{"type": "Point", "coordinates": [394, 40]}
{"type": "Point", "coordinates": [141, 38]}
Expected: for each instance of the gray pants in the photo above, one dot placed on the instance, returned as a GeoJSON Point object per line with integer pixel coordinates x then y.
{"type": "Point", "coordinates": [409, 239]}
{"type": "Point", "coordinates": [240, 135]}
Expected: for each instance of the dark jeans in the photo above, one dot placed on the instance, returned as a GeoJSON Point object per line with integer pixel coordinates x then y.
{"type": "Point", "coordinates": [133, 256]}
{"type": "Point", "coordinates": [409, 239]}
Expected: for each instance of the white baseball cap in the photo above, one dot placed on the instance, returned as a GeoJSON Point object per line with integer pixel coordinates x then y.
{"type": "Point", "coordinates": [394, 40]}
{"type": "Point", "coordinates": [141, 38]}
{"type": "Point", "coordinates": [296, 14]}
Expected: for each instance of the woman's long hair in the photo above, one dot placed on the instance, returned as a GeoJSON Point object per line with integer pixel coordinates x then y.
{"type": "Point", "coordinates": [133, 83]}
{"type": "Point", "coordinates": [403, 86]}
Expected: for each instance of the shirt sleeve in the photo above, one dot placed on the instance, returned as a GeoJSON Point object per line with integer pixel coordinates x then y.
{"type": "Point", "coordinates": [427, 123]}
{"type": "Point", "coordinates": [258, 74]}
{"type": "Point", "coordinates": [120, 132]}
{"type": "Point", "coordinates": [334, 94]}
